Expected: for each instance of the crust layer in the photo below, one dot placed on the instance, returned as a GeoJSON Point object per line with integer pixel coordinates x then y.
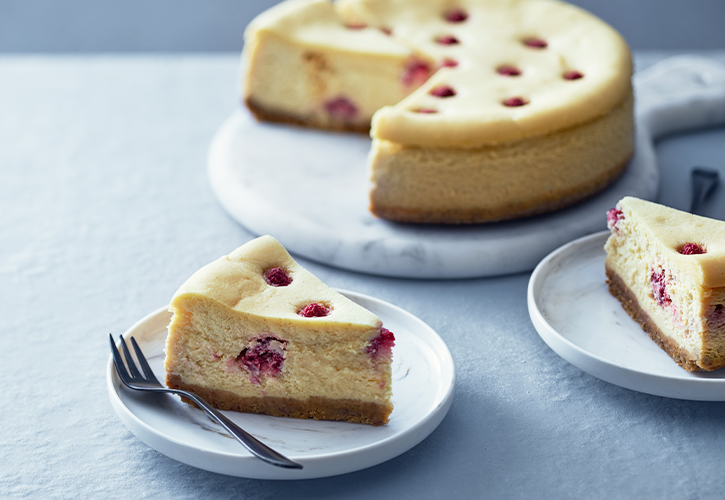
{"type": "Point", "coordinates": [629, 302]}
{"type": "Point", "coordinates": [348, 410]}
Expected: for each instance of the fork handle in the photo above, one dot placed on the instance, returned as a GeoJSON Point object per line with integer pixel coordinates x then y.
{"type": "Point", "coordinates": [256, 447]}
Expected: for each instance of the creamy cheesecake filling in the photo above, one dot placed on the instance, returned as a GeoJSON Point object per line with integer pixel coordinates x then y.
{"type": "Point", "coordinates": [324, 362]}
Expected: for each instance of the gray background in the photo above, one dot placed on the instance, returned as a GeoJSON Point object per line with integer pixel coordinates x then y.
{"type": "Point", "coordinates": [217, 25]}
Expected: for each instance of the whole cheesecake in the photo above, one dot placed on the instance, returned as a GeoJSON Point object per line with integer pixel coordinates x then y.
{"type": "Point", "coordinates": [480, 110]}
{"type": "Point", "coordinates": [667, 268]}
{"type": "Point", "coordinates": [255, 332]}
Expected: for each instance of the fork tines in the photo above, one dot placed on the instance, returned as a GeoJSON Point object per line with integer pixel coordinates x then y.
{"type": "Point", "coordinates": [135, 373]}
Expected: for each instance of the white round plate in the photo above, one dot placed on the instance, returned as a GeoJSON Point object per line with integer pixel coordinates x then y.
{"type": "Point", "coordinates": [309, 189]}
{"type": "Point", "coordinates": [423, 380]}
{"type": "Point", "coordinates": [574, 313]}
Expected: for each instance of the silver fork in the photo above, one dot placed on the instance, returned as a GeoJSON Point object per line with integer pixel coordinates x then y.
{"type": "Point", "coordinates": [149, 382]}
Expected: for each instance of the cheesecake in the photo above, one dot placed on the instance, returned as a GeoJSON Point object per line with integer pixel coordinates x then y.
{"type": "Point", "coordinates": [667, 268]}
{"type": "Point", "coordinates": [255, 332]}
{"type": "Point", "coordinates": [478, 110]}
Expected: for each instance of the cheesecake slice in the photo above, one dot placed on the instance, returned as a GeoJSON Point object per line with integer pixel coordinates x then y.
{"type": "Point", "coordinates": [255, 332]}
{"type": "Point", "coordinates": [667, 268]}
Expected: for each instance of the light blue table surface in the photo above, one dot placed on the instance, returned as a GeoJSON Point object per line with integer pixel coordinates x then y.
{"type": "Point", "coordinates": [105, 210]}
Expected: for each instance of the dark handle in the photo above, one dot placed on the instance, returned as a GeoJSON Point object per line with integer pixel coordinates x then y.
{"type": "Point", "coordinates": [704, 182]}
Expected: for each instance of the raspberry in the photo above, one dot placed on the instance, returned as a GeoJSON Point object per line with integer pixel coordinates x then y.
{"type": "Point", "coordinates": [613, 217]}
{"type": "Point", "coordinates": [447, 40]}
{"type": "Point", "coordinates": [428, 111]}
{"type": "Point", "coordinates": [573, 75]}
{"type": "Point", "coordinates": [508, 71]}
{"type": "Point", "coordinates": [513, 102]}
{"type": "Point", "coordinates": [264, 356]}
{"type": "Point", "coordinates": [456, 16]}
{"type": "Point", "coordinates": [357, 26]}
{"type": "Point", "coordinates": [341, 107]}
{"type": "Point", "coordinates": [381, 345]}
{"type": "Point", "coordinates": [443, 91]}
{"type": "Point", "coordinates": [416, 73]}
{"type": "Point", "coordinates": [449, 63]}
{"type": "Point", "coordinates": [659, 287]}
{"type": "Point", "coordinates": [536, 43]}
{"type": "Point", "coordinates": [277, 277]}
{"type": "Point", "coordinates": [691, 249]}
{"type": "Point", "coordinates": [314, 310]}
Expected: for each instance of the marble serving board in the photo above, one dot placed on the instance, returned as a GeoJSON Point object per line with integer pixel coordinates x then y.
{"type": "Point", "coordinates": [308, 188]}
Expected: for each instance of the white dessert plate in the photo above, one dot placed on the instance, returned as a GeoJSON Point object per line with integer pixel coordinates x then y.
{"type": "Point", "coordinates": [423, 380]}
{"type": "Point", "coordinates": [574, 313]}
{"type": "Point", "coordinates": [308, 189]}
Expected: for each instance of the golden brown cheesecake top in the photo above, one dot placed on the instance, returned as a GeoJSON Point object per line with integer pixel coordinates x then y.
{"type": "Point", "coordinates": [241, 281]}
{"type": "Point", "coordinates": [674, 230]}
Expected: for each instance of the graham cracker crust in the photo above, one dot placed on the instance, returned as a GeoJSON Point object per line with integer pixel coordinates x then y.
{"type": "Point", "coordinates": [318, 408]}
{"type": "Point", "coordinates": [621, 292]}
{"type": "Point", "coordinates": [503, 213]}
{"type": "Point", "coordinates": [268, 115]}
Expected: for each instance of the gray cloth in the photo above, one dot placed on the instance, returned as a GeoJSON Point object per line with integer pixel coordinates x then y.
{"type": "Point", "coordinates": [105, 210]}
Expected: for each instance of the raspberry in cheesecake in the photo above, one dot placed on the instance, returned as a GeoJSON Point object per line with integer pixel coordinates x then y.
{"type": "Point", "coordinates": [667, 268]}
{"type": "Point", "coordinates": [255, 332]}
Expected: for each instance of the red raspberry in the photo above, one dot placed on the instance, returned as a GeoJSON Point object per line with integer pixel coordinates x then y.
{"type": "Point", "coordinates": [416, 73]}
{"type": "Point", "coordinates": [536, 43]}
{"type": "Point", "coordinates": [263, 356]}
{"type": "Point", "coordinates": [277, 277]}
{"type": "Point", "coordinates": [514, 102]}
{"type": "Point", "coordinates": [447, 40]}
{"type": "Point", "coordinates": [508, 70]}
{"type": "Point", "coordinates": [456, 16]}
{"type": "Point", "coordinates": [443, 91]}
{"type": "Point", "coordinates": [341, 107]}
{"type": "Point", "coordinates": [573, 75]}
{"type": "Point", "coordinates": [314, 310]}
{"type": "Point", "coordinates": [659, 287]}
{"type": "Point", "coordinates": [449, 63]}
{"type": "Point", "coordinates": [382, 344]}
{"type": "Point", "coordinates": [613, 217]}
{"type": "Point", "coordinates": [691, 249]}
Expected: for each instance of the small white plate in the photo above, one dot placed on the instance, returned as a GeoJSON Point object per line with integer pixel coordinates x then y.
{"type": "Point", "coordinates": [423, 380]}
{"type": "Point", "coordinates": [574, 313]}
